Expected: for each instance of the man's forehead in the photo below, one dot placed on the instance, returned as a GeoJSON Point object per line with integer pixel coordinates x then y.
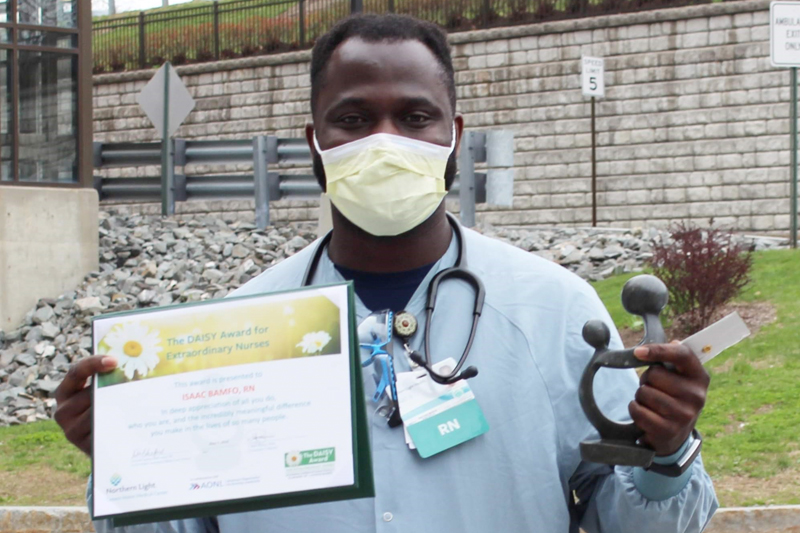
{"type": "Point", "coordinates": [359, 63]}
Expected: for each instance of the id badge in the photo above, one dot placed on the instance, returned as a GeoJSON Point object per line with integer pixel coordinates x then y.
{"type": "Point", "coordinates": [438, 417]}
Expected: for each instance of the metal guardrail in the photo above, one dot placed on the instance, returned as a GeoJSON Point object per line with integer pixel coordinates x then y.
{"type": "Point", "coordinates": [494, 148]}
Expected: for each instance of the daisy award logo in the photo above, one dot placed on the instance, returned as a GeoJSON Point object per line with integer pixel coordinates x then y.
{"type": "Point", "coordinates": [321, 456]}
{"type": "Point", "coordinates": [116, 479]}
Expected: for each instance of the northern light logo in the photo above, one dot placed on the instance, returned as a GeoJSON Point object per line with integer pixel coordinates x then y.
{"type": "Point", "coordinates": [116, 479]}
{"type": "Point", "coordinates": [310, 457]}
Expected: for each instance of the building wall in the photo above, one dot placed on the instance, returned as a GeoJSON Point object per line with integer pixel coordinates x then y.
{"type": "Point", "coordinates": [694, 124]}
{"type": "Point", "coordinates": [48, 242]}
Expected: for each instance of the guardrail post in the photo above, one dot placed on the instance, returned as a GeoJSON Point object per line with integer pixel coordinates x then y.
{"type": "Point", "coordinates": [216, 30]}
{"type": "Point", "coordinates": [260, 181]}
{"type": "Point", "coordinates": [179, 180]}
{"type": "Point", "coordinates": [500, 174]}
{"type": "Point", "coordinates": [142, 50]}
{"type": "Point", "coordinates": [97, 154]}
{"type": "Point", "coordinates": [466, 180]}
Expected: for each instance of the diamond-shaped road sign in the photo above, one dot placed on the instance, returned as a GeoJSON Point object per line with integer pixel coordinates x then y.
{"type": "Point", "coordinates": [151, 99]}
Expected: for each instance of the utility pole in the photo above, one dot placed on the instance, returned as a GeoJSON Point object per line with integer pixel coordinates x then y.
{"type": "Point", "coordinates": [112, 7]}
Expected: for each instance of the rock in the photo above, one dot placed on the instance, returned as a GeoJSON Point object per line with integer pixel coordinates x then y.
{"type": "Point", "coordinates": [297, 243]}
{"type": "Point", "coordinates": [46, 386]}
{"type": "Point", "coordinates": [22, 377]}
{"type": "Point", "coordinates": [43, 314]}
{"type": "Point", "coordinates": [146, 296]}
{"type": "Point", "coordinates": [89, 305]}
{"type": "Point", "coordinates": [596, 254]}
{"type": "Point", "coordinates": [575, 256]}
{"type": "Point", "coordinates": [612, 252]}
{"type": "Point", "coordinates": [240, 251]}
{"type": "Point", "coordinates": [212, 275]}
{"type": "Point", "coordinates": [50, 330]}
{"type": "Point", "coordinates": [26, 359]}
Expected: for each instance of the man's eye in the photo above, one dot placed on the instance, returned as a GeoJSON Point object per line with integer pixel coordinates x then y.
{"type": "Point", "coordinates": [417, 118]}
{"type": "Point", "coordinates": [351, 119]}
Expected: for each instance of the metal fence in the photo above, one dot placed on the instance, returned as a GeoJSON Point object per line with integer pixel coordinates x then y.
{"type": "Point", "coordinates": [494, 186]}
{"type": "Point", "coordinates": [239, 28]}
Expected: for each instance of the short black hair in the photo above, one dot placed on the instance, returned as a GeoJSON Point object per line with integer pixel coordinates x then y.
{"type": "Point", "coordinates": [374, 28]}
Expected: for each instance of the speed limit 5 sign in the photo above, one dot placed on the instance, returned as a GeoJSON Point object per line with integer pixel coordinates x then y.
{"type": "Point", "coordinates": [592, 82]}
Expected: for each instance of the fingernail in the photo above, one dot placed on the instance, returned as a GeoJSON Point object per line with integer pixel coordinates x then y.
{"type": "Point", "coordinates": [108, 362]}
{"type": "Point", "coordinates": [641, 352]}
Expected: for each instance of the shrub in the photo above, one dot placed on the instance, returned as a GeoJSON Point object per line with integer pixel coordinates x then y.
{"type": "Point", "coordinates": [179, 59]}
{"type": "Point", "coordinates": [703, 269]}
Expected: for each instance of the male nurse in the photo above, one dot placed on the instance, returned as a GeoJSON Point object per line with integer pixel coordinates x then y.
{"type": "Point", "coordinates": [384, 137]}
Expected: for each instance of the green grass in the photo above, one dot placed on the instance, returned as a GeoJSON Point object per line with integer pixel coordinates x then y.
{"type": "Point", "coordinates": [751, 421]}
{"type": "Point", "coordinates": [41, 443]}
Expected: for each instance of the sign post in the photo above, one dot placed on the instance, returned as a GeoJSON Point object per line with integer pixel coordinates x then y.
{"type": "Point", "coordinates": [593, 85]}
{"type": "Point", "coordinates": [166, 102]}
{"type": "Point", "coordinates": [784, 45]}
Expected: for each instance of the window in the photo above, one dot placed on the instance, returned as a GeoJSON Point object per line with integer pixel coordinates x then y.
{"type": "Point", "coordinates": [40, 120]}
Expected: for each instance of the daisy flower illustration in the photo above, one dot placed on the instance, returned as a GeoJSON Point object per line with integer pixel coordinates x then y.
{"type": "Point", "coordinates": [136, 348]}
{"type": "Point", "coordinates": [293, 459]}
{"type": "Point", "coordinates": [314, 342]}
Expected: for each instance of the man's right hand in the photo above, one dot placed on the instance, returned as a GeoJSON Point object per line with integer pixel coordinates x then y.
{"type": "Point", "coordinates": [74, 400]}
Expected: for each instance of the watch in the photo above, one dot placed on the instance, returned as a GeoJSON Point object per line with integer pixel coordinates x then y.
{"type": "Point", "coordinates": [680, 466]}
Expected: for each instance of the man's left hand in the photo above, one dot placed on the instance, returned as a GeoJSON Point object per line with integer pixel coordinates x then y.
{"type": "Point", "coordinates": [669, 402]}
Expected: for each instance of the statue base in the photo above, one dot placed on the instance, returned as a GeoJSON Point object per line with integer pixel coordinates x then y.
{"type": "Point", "coordinates": [616, 452]}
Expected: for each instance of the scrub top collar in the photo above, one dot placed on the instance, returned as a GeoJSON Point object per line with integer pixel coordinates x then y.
{"type": "Point", "coordinates": [327, 273]}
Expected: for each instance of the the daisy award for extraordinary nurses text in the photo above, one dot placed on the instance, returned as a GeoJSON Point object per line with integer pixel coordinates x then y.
{"type": "Point", "coordinates": [223, 401]}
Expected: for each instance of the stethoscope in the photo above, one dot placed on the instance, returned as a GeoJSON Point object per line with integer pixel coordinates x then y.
{"type": "Point", "coordinates": [405, 324]}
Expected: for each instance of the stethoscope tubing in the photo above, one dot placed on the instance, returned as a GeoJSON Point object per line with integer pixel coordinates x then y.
{"type": "Point", "coordinates": [458, 271]}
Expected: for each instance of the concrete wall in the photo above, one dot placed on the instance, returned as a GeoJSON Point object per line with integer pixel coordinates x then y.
{"type": "Point", "coordinates": [695, 122]}
{"type": "Point", "coordinates": [48, 242]}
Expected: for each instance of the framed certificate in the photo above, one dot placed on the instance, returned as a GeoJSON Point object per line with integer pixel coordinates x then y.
{"type": "Point", "coordinates": [229, 406]}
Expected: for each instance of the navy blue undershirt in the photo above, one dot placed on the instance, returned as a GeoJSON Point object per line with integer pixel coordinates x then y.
{"type": "Point", "coordinates": [388, 290]}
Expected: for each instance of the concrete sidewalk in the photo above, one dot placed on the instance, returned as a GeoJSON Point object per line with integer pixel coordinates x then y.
{"type": "Point", "coordinates": [778, 519]}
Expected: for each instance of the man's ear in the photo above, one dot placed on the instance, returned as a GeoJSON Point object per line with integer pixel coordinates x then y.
{"type": "Point", "coordinates": [458, 120]}
{"type": "Point", "coordinates": [310, 136]}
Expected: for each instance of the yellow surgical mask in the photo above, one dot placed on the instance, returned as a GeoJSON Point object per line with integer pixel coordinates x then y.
{"type": "Point", "coordinates": [386, 184]}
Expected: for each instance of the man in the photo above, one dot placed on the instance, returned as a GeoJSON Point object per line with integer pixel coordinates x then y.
{"type": "Point", "coordinates": [384, 137]}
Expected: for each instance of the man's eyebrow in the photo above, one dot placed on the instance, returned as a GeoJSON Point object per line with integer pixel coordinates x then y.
{"type": "Point", "coordinates": [353, 101]}
{"type": "Point", "coordinates": [411, 101]}
{"type": "Point", "coordinates": [419, 101]}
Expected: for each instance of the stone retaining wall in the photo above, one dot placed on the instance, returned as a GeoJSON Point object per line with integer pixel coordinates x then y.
{"type": "Point", "coordinates": [695, 122]}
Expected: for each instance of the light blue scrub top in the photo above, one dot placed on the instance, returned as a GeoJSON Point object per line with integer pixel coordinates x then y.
{"type": "Point", "coordinates": [519, 476]}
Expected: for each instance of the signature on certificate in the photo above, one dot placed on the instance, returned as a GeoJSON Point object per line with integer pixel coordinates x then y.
{"type": "Point", "coordinates": [148, 453]}
{"type": "Point", "coordinates": [259, 440]}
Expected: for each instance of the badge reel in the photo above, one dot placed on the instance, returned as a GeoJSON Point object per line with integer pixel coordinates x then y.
{"type": "Point", "coordinates": [375, 341]}
{"type": "Point", "coordinates": [645, 296]}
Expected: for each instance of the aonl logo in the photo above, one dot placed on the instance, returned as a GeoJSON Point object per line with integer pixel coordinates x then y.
{"type": "Point", "coordinates": [449, 426]}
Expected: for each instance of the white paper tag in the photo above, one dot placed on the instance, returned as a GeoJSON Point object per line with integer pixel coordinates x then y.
{"type": "Point", "coordinates": [719, 336]}
{"type": "Point", "coordinates": [406, 380]}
